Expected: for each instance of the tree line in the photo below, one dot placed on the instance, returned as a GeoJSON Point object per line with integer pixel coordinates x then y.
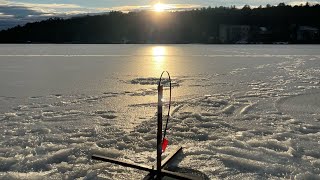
{"type": "Point", "coordinates": [281, 23]}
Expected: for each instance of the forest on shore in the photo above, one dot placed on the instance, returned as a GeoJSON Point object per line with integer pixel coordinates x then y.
{"type": "Point", "coordinates": [268, 24]}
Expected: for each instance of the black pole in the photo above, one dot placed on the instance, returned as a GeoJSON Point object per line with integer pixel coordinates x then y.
{"type": "Point", "coordinates": [159, 133]}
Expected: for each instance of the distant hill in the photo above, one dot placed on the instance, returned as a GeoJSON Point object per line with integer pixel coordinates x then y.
{"type": "Point", "coordinates": [270, 24]}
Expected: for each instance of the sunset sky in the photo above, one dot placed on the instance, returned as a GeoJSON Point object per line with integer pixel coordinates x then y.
{"type": "Point", "coordinates": [22, 11]}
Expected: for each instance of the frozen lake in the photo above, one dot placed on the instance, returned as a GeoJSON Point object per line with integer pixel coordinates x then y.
{"type": "Point", "coordinates": [240, 111]}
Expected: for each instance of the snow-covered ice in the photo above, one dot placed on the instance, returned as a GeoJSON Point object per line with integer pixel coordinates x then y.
{"type": "Point", "coordinates": [240, 112]}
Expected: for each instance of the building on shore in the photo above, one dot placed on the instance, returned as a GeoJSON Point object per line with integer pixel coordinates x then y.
{"type": "Point", "coordinates": [234, 33]}
{"type": "Point", "coordinates": [307, 34]}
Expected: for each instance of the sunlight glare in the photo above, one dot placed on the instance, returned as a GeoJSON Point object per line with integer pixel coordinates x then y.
{"type": "Point", "coordinates": [158, 51]}
{"type": "Point", "coordinates": [158, 56]}
{"type": "Point", "coordinates": [159, 7]}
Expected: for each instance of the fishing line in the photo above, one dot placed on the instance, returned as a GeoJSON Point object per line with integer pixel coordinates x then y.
{"type": "Point", "coordinates": [165, 129]}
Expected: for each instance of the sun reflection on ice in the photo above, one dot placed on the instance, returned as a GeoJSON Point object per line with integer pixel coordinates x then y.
{"type": "Point", "coordinates": [158, 51]}
{"type": "Point", "coordinates": [158, 54]}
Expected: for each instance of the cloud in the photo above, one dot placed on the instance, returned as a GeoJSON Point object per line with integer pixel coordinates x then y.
{"type": "Point", "coordinates": [185, 6]}
{"type": "Point", "coordinates": [169, 7]}
{"type": "Point", "coordinates": [53, 6]}
{"type": "Point", "coordinates": [5, 16]}
{"type": "Point", "coordinates": [124, 8]}
{"type": "Point", "coordinates": [298, 3]}
{"type": "Point", "coordinates": [18, 11]}
{"type": "Point", "coordinates": [14, 13]}
{"type": "Point", "coordinates": [32, 9]}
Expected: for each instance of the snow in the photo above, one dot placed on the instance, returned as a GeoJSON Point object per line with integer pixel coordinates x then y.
{"type": "Point", "coordinates": [246, 112]}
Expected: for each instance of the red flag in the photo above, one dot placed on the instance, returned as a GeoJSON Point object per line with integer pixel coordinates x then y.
{"type": "Point", "coordinates": [164, 144]}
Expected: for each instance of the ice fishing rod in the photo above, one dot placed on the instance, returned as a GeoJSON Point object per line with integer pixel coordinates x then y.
{"type": "Point", "coordinates": [162, 143]}
{"type": "Point", "coordinates": [165, 141]}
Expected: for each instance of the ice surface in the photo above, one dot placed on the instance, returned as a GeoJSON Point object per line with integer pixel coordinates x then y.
{"type": "Point", "coordinates": [240, 112]}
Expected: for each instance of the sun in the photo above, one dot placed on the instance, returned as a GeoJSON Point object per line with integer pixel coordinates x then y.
{"type": "Point", "coordinates": [159, 7]}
